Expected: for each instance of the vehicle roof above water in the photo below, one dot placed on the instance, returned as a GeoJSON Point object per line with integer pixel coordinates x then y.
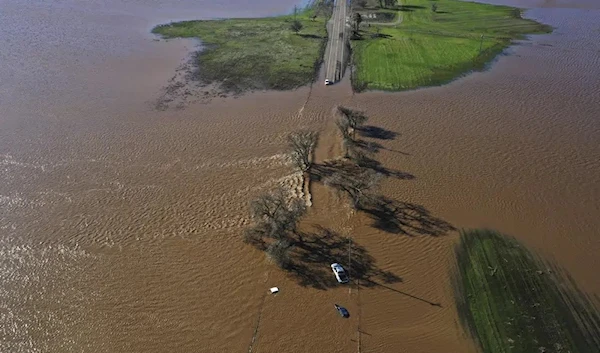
{"type": "Point", "coordinates": [343, 311]}
{"type": "Point", "coordinates": [337, 266]}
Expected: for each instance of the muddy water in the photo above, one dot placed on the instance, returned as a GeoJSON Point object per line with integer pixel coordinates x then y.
{"type": "Point", "coordinates": [120, 225]}
{"type": "Point", "coordinates": [515, 149]}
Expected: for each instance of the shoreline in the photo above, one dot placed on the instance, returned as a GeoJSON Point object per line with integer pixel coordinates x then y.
{"type": "Point", "coordinates": [433, 47]}
{"type": "Point", "coordinates": [248, 54]}
{"type": "Point", "coordinates": [237, 81]}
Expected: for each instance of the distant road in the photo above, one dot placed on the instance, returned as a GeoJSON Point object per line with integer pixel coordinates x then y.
{"type": "Point", "coordinates": [336, 45]}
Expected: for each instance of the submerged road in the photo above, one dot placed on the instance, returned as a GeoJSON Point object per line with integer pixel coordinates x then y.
{"type": "Point", "coordinates": [336, 44]}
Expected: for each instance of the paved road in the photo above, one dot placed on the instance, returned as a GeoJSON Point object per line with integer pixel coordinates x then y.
{"type": "Point", "coordinates": [336, 45]}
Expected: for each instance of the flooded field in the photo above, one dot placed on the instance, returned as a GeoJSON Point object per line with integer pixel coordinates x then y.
{"type": "Point", "coordinates": [121, 225]}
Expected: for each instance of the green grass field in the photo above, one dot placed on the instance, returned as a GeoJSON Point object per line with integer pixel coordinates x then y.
{"type": "Point", "coordinates": [429, 48]}
{"type": "Point", "coordinates": [258, 53]}
{"type": "Point", "coordinates": [511, 302]}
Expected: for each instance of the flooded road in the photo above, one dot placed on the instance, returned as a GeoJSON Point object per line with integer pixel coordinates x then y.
{"type": "Point", "coordinates": [120, 225]}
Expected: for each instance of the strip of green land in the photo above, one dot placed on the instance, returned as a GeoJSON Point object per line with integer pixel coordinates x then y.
{"type": "Point", "coordinates": [511, 302]}
{"type": "Point", "coordinates": [431, 48]}
{"type": "Point", "coordinates": [257, 53]}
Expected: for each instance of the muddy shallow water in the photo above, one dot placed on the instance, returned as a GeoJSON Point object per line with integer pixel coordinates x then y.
{"type": "Point", "coordinates": [120, 225]}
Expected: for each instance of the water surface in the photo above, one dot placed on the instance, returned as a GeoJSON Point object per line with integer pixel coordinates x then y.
{"type": "Point", "coordinates": [120, 226]}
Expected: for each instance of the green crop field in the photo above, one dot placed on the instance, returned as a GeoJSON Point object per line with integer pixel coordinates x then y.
{"type": "Point", "coordinates": [511, 302]}
{"type": "Point", "coordinates": [430, 48]}
{"type": "Point", "coordinates": [257, 53]}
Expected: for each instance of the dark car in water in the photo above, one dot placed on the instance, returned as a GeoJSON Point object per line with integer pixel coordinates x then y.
{"type": "Point", "coordinates": [342, 311]}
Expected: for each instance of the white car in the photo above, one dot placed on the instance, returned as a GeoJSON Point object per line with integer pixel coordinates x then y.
{"type": "Point", "coordinates": [327, 82]}
{"type": "Point", "coordinates": [340, 273]}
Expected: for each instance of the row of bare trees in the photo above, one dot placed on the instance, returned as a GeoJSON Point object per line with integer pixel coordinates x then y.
{"type": "Point", "coordinates": [275, 214]}
{"type": "Point", "coordinates": [359, 183]}
{"type": "Point", "coordinates": [354, 175]}
{"type": "Point", "coordinates": [275, 220]}
{"type": "Point", "coordinates": [302, 144]}
{"type": "Point", "coordinates": [349, 121]}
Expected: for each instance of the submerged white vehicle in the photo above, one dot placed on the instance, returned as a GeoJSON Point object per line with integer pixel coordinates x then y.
{"type": "Point", "coordinates": [327, 82]}
{"type": "Point", "coordinates": [340, 273]}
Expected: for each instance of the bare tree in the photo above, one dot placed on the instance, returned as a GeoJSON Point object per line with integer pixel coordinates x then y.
{"type": "Point", "coordinates": [355, 118]}
{"type": "Point", "coordinates": [290, 216]}
{"type": "Point", "coordinates": [357, 20]}
{"type": "Point", "coordinates": [279, 251]}
{"type": "Point", "coordinates": [274, 215]}
{"type": "Point", "coordinates": [360, 154]}
{"type": "Point", "coordinates": [256, 234]}
{"type": "Point", "coordinates": [344, 126]}
{"type": "Point", "coordinates": [275, 224]}
{"type": "Point", "coordinates": [359, 184]}
{"type": "Point", "coordinates": [302, 143]}
{"type": "Point", "coordinates": [351, 148]}
{"type": "Point", "coordinates": [266, 206]}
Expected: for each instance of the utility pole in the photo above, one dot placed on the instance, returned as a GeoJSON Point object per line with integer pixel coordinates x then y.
{"type": "Point", "coordinates": [349, 261]}
{"type": "Point", "coordinates": [349, 254]}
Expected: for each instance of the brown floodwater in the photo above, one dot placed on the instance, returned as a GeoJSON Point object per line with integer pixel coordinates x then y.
{"type": "Point", "coordinates": [120, 225]}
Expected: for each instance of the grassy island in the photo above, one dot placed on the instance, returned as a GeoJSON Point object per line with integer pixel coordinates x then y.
{"type": "Point", "coordinates": [396, 45]}
{"type": "Point", "coordinates": [511, 302]}
{"type": "Point", "coordinates": [424, 43]}
{"type": "Point", "coordinates": [257, 53]}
